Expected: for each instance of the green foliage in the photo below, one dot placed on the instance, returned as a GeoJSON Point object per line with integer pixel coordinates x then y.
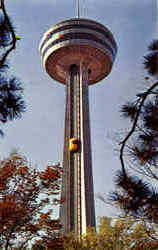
{"type": "Point", "coordinates": [119, 234]}
{"type": "Point", "coordinates": [113, 234]}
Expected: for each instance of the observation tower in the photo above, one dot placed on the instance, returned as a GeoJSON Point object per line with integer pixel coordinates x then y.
{"type": "Point", "coordinates": [77, 53]}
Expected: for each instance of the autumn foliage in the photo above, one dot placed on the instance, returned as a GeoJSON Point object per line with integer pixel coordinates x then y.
{"type": "Point", "coordinates": [26, 201]}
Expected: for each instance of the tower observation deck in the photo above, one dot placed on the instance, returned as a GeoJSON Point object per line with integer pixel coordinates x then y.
{"type": "Point", "coordinates": [77, 52]}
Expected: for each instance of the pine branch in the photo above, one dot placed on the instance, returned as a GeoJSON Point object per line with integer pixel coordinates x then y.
{"type": "Point", "coordinates": [134, 125]}
{"type": "Point", "coordinates": [13, 36]}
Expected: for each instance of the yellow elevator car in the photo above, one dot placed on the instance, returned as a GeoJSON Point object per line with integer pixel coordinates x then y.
{"type": "Point", "coordinates": [73, 144]}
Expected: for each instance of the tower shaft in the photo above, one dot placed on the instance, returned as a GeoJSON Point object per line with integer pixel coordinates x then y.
{"type": "Point", "coordinates": [77, 211]}
{"type": "Point", "coordinates": [70, 49]}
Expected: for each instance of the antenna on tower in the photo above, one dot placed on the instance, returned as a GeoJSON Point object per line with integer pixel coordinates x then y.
{"type": "Point", "coordinates": [77, 8]}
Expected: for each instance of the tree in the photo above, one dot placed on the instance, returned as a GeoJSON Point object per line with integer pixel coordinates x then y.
{"type": "Point", "coordinates": [137, 196]}
{"type": "Point", "coordinates": [11, 101]}
{"type": "Point", "coordinates": [125, 233]}
{"type": "Point", "coordinates": [26, 199]}
{"type": "Point", "coordinates": [118, 234]}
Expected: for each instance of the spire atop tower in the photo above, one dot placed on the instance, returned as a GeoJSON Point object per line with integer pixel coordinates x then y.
{"type": "Point", "coordinates": [77, 9]}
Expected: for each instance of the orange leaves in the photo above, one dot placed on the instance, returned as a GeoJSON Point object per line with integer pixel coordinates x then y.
{"type": "Point", "coordinates": [62, 199]}
{"type": "Point", "coordinates": [7, 205]}
{"type": "Point", "coordinates": [33, 228]}
{"type": "Point", "coordinates": [56, 243]}
{"type": "Point", "coordinates": [51, 177]}
{"type": "Point", "coordinates": [22, 171]}
{"type": "Point", "coordinates": [50, 174]}
{"type": "Point", "coordinates": [44, 219]}
{"type": "Point", "coordinates": [9, 208]}
{"type": "Point", "coordinates": [24, 194]}
{"type": "Point", "coordinates": [43, 216]}
{"type": "Point", "coordinates": [2, 185]}
{"type": "Point", "coordinates": [7, 170]}
{"type": "Point", "coordinates": [56, 224]}
{"type": "Point", "coordinates": [47, 222]}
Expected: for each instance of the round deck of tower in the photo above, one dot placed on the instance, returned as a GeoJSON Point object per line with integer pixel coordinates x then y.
{"type": "Point", "coordinates": [81, 42]}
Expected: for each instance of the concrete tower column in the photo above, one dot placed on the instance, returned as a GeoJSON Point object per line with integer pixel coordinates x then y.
{"type": "Point", "coordinates": [77, 167]}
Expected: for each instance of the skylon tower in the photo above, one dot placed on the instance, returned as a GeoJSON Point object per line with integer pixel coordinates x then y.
{"type": "Point", "coordinates": [78, 53]}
